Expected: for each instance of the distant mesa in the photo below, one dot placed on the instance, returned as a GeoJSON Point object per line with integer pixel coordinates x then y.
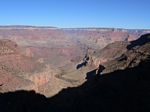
{"type": "Point", "coordinates": [25, 27]}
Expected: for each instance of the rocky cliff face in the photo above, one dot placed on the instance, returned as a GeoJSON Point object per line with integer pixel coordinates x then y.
{"type": "Point", "coordinates": [21, 72]}
{"type": "Point", "coordinates": [45, 59]}
{"type": "Point", "coordinates": [134, 53]}
{"type": "Point", "coordinates": [108, 53]}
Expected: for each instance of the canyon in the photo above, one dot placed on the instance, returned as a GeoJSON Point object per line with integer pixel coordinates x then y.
{"type": "Point", "coordinates": [45, 59]}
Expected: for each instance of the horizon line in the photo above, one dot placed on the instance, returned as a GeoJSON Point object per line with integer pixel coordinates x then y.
{"type": "Point", "coordinates": [89, 27]}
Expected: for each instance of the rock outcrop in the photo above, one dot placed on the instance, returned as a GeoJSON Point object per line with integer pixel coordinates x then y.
{"type": "Point", "coordinates": [133, 54]}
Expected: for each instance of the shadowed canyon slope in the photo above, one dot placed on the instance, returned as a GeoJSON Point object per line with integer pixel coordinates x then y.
{"type": "Point", "coordinates": [45, 59]}
{"type": "Point", "coordinates": [125, 88]}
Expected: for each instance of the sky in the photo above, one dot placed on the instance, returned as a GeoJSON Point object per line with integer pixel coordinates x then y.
{"type": "Point", "coordinates": [132, 14]}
